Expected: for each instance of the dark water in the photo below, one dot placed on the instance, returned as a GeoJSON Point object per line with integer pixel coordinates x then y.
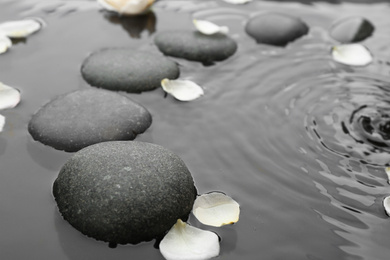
{"type": "Point", "coordinates": [300, 141]}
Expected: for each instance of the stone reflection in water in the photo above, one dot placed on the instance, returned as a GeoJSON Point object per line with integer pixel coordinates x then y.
{"type": "Point", "coordinates": [134, 25]}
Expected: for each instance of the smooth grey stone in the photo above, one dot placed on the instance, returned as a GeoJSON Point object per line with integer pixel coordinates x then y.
{"type": "Point", "coordinates": [78, 119]}
{"type": "Point", "coordinates": [275, 29]}
{"type": "Point", "coordinates": [351, 29]}
{"type": "Point", "coordinates": [195, 46]}
{"type": "Point", "coordinates": [124, 192]}
{"type": "Point", "coordinates": [123, 69]}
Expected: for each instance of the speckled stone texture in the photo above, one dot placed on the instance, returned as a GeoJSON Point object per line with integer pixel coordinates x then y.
{"type": "Point", "coordinates": [125, 69]}
{"type": "Point", "coordinates": [275, 28]}
{"type": "Point", "coordinates": [78, 119]}
{"type": "Point", "coordinates": [351, 29]}
{"type": "Point", "coordinates": [196, 46]}
{"type": "Point", "coordinates": [124, 192]}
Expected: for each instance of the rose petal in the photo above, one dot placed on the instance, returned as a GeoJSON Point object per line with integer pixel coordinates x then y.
{"type": "Point", "coordinates": [352, 54]}
{"type": "Point", "coordinates": [387, 169]}
{"type": "Point", "coordinates": [386, 205]}
{"type": "Point", "coordinates": [216, 209]}
{"type": "Point", "coordinates": [21, 28]}
{"type": "Point", "coordinates": [183, 90]}
{"type": "Point", "coordinates": [5, 43]}
{"type": "Point", "coordinates": [186, 242]}
{"type": "Point", "coordinates": [127, 7]}
{"type": "Point", "coordinates": [209, 28]}
{"type": "Point", "coordinates": [9, 97]}
{"type": "Point", "coordinates": [237, 2]}
{"type": "Point", "coordinates": [2, 122]}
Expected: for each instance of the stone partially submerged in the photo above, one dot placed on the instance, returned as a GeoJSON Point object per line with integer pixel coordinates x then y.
{"type": "Point", "coordinates": [196, 46]}
{"type": "Point", "coordinates": [124, 192]}
{"type": "Point", "coordinates": [351, 29]}
{"type": "Point", "coordinates": [123, 69]}
{"type": "Point", "coordinates": [81, 118]}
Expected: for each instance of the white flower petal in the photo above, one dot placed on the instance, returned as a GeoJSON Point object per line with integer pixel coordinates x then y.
{"type": "Point", "coordinates": [386, 205]}
{"type": "Point", "coordinates": [388, 174]}
{"type": "Point", "coordinates": [183, 90]}
{"type": "Point", "coordinates": [5, 43]}
{"type": "Point", "coordinates": [9, 97]}
{"type": "Point", "coordinates": [237, 2]}
{"type": "Point", "coordinates": [216, 209]}
{"type": "Point", "coordinates": [127, 7]}
{"type": "Point", "coordinates": [209, 28]}
{"type": "Point", "coordinates": [184, 242]}
{"type": "Point", "coordinates": [2, 122]}
{"type": "Point", "coordinates": [352, 54]}
{"type": "Point", "coordinates": [21, 28]}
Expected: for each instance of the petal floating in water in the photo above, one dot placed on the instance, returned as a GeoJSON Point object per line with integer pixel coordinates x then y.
{"type": "Point", "coordinates": [127, 7]}
{"type": "Point", "coordinates": [2, 122]}
{"type": "Point", "coordinates": [186, 242]}
{"type": "Point", "coordinates": [209, 28]}
{"type": "Point", "coordinates": [237, 2]}
{"type": "Point", "coordinates": [183, 90]}
{"type": "Point", "coordinates": [21, 28]}
{"type": "Point", "coordinates": [386, 205]}
{"type": "Point", "coordinates": [387, 169]}
{"type": "Point", "coordinates": [9, 97]}
{"type": "Point", "coordinates": [216, 209]}
{"type": "Point", "coordinates": [352, 54]}
{"type": "Point", "coordinates": [5, 43]}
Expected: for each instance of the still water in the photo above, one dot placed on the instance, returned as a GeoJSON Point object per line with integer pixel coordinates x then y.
{"type": "Point", "coordinates": [300, 141]}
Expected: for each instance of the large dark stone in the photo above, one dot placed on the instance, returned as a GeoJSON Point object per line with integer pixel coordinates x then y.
{"type": "Point", "coordinates": [124, 192]}
{"type": "Point", "coordinates": [78, 119]}
{"type": "Point", "coordinates": [124, 69]}
{"type": "Point", "coordinates": [196, 46]}
{"type": "Point", "coordinates": [276, 29]}
{"type": "Point", "coordinates": [351, 29]}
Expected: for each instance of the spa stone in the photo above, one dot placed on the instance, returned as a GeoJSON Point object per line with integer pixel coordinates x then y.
{"type": "Point", "coordinates": [78, 119]}
{"type": "Point", "coordinates": [124, 69]}
{"type": "Point", "coordinates": [124, 192]}
{"type": "Point", "coordinates": [275, 29]}
{"type": "Point", "coordinates": [196, 46]}
{"type": "Point", "coordinates": [351, 29]}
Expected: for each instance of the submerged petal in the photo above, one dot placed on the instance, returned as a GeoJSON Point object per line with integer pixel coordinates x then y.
{"type": "Point", "coordinates": [9, 97]}
{"type": "Point", "coordinates": [183, 90]}
{"type": "Point", "coordinates": [209, 28]}
{"type": "Point", "coordinates": [186, 242]}
{"type": "Point", "coordinates": [216, 209]}
{"type": "Point", "coordinates": [5, 43]}
{"type": "Point", "coordinates": [127, 7]}
{"type": "Point", "coordinates": [386, 205]}
{"type": "Point", "coordinates": [352, 54]}
{"type": "Point", "coordinates": [237, 2]}
{"type": "Point", "coordinates": [2, 122]}
{"type": "Point", "coordinates": [21, 28]}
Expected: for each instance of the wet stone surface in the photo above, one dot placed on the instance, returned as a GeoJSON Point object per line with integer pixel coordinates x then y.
{"type": "Point", "coordinates": [351, 29]}
{"type": "Point", "coordinates": [196, 46]}
{"type": "Point", "coordinates": [124, 192]}
{"type": "Point", "coordinates": [123, 69]}
{"type": "Point", "coordinates": [81, 118]}
{"type": "Point", "coordinates": [276, 28]}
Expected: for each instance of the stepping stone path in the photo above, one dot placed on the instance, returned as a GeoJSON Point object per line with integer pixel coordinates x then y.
{"type": "Point", "coordinates": [124, 69]}
{"type": "Point", "coordinates": [78, 119]}
{"type": "Point", "coordinates": [124, 192]}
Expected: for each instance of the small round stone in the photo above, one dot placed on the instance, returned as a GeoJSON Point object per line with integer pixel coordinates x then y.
{"type": "Point", "coordinates": [123, 69]}
{"type": "Point", "coordinates": [196, 46]}
{"type": "Point", "coordinates": [78, 119]}
{"type": "Point", "coordinates": [124, 192]}
{"type": "Point", "coordinates": [351, 29]}
{"type": "Point", "coordinates": [276, 29]}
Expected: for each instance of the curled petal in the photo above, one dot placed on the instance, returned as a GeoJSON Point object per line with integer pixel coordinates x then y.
{"type": "Point", "coordinates": [388, 174]}
{"type": "Point", "coordinates": [183, 90]}
{"type": "Point", "coordinates": [386, 205]}
{"type": "Point", "coordinates": [186, 242]}
{"type": "Point", "coordinates": [2, 122]}
{"type": "Point", "coordinates": [21, 28]}
{"type": "Point", "coordinates": [216, 209]}
{"type": "Point", "coordinates": [9, 97]}
{"type": "Point", "coordinates": [352, 54]}
{"type": "Point", "coordinates": [209, 28]}
{"type": "Point", "coordinates": [237, 2]}
{"type": "Point", "coordinates": [5, 43]}
{"type": "Point", "coordinates": [127, 7]}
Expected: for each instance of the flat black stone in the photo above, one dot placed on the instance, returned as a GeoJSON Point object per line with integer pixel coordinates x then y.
{"type": "Point", "coordinates": [78, 119]}
{"type": "Point", "coordinates": [123, 69]}
{"type": "Point", "coordinates": [275, 29]}
{"type": "Point", "coordinates": [351, 29]}
{"type": "Point", "coordinates": [124, 192]}
{"type": "Point", "coordinates": [195, 46]}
